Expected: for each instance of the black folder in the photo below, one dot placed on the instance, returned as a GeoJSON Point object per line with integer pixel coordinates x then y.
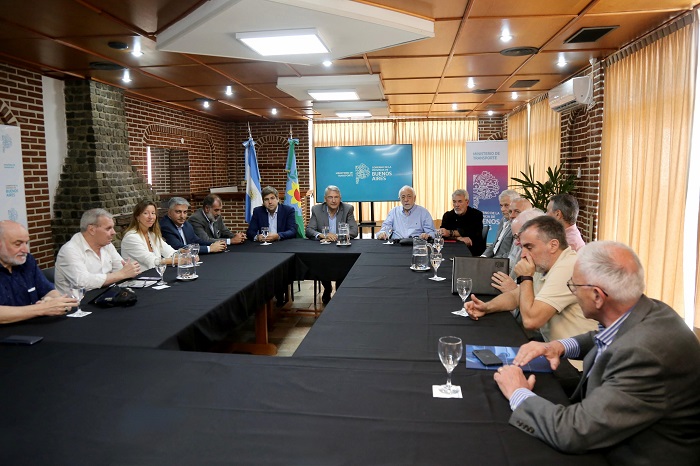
{"type": "Point", "coordinates": [479, 269]}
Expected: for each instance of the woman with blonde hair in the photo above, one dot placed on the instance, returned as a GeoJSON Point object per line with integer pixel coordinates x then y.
{"type": "Point", "coordinates": [142, 239]}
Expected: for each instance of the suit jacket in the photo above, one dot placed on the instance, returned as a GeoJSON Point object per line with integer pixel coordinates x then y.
{"type": "Point", "coordinates": [202, 228]}
{"type": "Point", "coordinates": [286, 221]}
{"type": "Point", "coordinates": [173, 238]}
{"type": "Point", "coordinates": [640, 402]}
{"type": "Point", "coordinates": [471, 225]}
{"type": "Point", "coordinates": [506, 242]}
{"type": "Point", "coordinates": [319, 219]}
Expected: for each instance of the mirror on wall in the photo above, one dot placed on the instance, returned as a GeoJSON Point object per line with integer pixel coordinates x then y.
{"type": "Point", "coordinates": [169, 170]}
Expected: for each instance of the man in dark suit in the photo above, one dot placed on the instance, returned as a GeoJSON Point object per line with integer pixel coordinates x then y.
{"type": "Point", "coordinates": [330, 214]}
{"type": "Point", "coordinates": [638, 399]}
{"type": "Point", "coordinates": [208, 223]}
{"type": "Point", "coordinates": [464, 223]}
{"type": "Point", "coordinates": [504, 236]}
{"type": "Point", "coordinates": [278, 217]}
{"type": "Point", "coordinates": [178, 233]}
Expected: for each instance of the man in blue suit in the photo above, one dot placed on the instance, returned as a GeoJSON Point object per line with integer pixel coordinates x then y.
{"type": "Point", "coordinates": [178, 233]}
{"type": "Point", "coordinates": [278, 217]}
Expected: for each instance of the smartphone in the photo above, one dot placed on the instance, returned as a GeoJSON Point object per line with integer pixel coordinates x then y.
{"type": "Point", "coordinates": [21, 340]}
{"type": "Point", "coordinates": [487, 357]}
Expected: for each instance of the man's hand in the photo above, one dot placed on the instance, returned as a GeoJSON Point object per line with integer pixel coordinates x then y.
{"type": "Point", "coordinates": [502, 282]}
{"type": "Point", "coordinates": [381, 235]}
{"type": "Point", "coordinates": [476, 308]}
{"type": "Point", "coordinates": [465, 239]}
{"type": "Point", "coordinates": [129, 269]}
{"type": "Point", "coordinates": [424, 236]}
{"type": "Point", "coordinates": [525, 267]}
{"type": "Point", "coordinates": [330, 237]}
{"type": "Point", "coordinates": [444, 232]}
{"type": "Point", "coordinates": [217, 246]}
{"type": "Point", "coordinates": [55, 306]}
{"type": "Point", "coordinates": [273, 237]}
{"type": "Point", "coordinates": [510, 378]}
{"type": "Point", "coordinates": [552, 350]}
{"type": "Point", "coordinates": [238, 238]}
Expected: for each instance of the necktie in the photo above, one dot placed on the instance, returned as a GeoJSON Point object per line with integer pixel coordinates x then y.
{"type": "Point", "coordinates": [182, 235]}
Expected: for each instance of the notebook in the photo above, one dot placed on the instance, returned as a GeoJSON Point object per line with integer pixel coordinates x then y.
{"type": "Point", "coordinates": [506, 354]}
{"type": "Point", "coordinates": [479, 269]}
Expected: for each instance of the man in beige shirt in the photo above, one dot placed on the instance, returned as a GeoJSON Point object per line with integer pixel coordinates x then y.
{"type": "Point", "coordinates": [545, 301]}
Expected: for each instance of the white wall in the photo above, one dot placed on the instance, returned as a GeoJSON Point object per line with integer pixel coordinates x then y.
{"type": "Point", "coordinates": [55, 131]}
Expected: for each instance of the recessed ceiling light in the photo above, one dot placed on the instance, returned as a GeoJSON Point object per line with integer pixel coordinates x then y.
{"type": "Point", "coordinates": [229, 90]}
{"type": "Point", "coordinates": [333, 94]}
{"type": "Point", "coordinates": [470, 83]}
{"type": "Point", "coordinates": [286, 42]}
{"type": "Point", "coordinates": [327, 63]}
{"type": "Point", "coordinates": [490, 112]}
{"type": "Point", "coordinates": [137, 49]}
{"type": "Point", "coordinates": [358, 114]}
{"type": "Point", "coordinates": [126, 77]}
{"type": "Point", "coordinates": [514, 95]}
{"type": "Point", "coordinates": [562, 62]}
{"type": "Point", "coordinates": [274, 111]}
{"type": "Point", "coordinates": [454, 107]}
{"type": "Point", "coordinates": [205, 104]}
{"type": "Point", "coordinates": [505, 35]}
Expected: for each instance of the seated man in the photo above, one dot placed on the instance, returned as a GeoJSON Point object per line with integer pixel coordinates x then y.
{"type": "Point", "coordinates": [638, 400]}
{"type": "Point", "coordinates": [330, 214]}
{"type": "Point", "coordinates": [280, 218]}
{"type": "Point", "coordinates": [464, 223]}
{"type": "Point", "coordinates": [208, 223]}
{"type": "Point", "coordinates": [178, 233]}
{"type": "Point", "coordinates": [501, 280]}
{"type": "Point", "coordinates": [504, 236]}
{"type": "Point", "coordinates": [24, 290]}
{"type": "Point", "coordinates": [564, 207]}
{"type": "Point", "coordinates": [544, 300]}
{"type": "Point", "coordinates": [518, 205]}
{"type": "Point", "coordinates": [407, 220]}
{"type": "Point", "coordinates": [90, 259]}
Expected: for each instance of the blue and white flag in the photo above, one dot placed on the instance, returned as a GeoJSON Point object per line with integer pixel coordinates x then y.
{"type": "Point", "coordinates": [253, 196]}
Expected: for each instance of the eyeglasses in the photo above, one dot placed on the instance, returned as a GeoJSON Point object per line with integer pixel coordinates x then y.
{"type": "Point", "coordinates": [572, 287]}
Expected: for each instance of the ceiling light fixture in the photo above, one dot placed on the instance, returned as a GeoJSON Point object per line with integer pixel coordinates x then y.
{"type": "Point", "coordinates": [490, 112]}
{"type": "Point", "coordinates": [205, 104]}
{"type": "Point", "coordinates": [126, 77]}
{"type": "Point", "coordinates": [229, 90]}
{"type": "Point", "coordinates": [137, 52]}
{"type": "Point", "coordinates": [274, 111]}
{"type": "Point", "coordinates": [454, 106]}
{"type": "Point", "coordinates": [514, 95]}
{"type": "Point", "coordinates": [327, 63]}
{"type": "Point", "coordinates": [470, 83]}
{"type": "Point", "coordinates": [286, 42]}
{"type": "Point", "coordinates": [562, 61]}
{"type": "Point", "coordinates": [505, 35]}
{"type": "Point", "coordinates": [333, 94]}
{"type": "Point", "coordinates": [358, 114]}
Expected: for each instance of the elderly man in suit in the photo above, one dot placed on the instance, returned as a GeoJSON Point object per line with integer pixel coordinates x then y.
{"type": "Point", "coordinates": [278, 217]}
{"type": "Point", "coordinates": [504, 236]}
{"type": "Point", "coordinates": [329, 214]}
{"type": "Point", "coordinates": [208, 223]}
{"type": "Point", "coordinates": [178, 233]}
{"type": "Point", "coordinates": [638, 399]}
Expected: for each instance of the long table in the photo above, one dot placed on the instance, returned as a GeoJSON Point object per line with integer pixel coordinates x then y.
{"type": "Point", "coordinates": [358, 390]}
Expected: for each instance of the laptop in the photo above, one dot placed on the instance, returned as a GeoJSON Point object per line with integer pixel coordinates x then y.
{"type": "Point", "coordinates": [479, 269]}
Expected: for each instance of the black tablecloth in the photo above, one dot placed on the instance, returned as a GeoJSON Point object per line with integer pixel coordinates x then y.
{"type": "Point", "coordinates": [66, 404]}
{"type": "Point", "coordinates": [191, 315]}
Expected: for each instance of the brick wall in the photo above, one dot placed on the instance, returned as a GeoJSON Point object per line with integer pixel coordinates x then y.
{"type": "Point", "coordinates": [21, 101]}
{"type": "Point", "coordinates": [491, 128]}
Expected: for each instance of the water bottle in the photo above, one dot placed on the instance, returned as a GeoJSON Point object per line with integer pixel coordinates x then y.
{"type": "Point", "coordinates": [420, 259]}
{"type": "Point", "coordinates": [343, 234]}
{"type": "Point", "coordinates": [185, 266]}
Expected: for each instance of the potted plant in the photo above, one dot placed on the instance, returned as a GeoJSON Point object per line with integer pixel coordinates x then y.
{"type": "Point", "coordinates": [538, 193]}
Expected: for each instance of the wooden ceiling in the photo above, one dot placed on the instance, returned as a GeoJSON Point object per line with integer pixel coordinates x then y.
{"type": "Point", "coordinates": [61, 38]}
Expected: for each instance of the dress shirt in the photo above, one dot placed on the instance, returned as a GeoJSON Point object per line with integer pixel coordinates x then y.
{"type": "Point", "coordinates": [503, 234]}
{"type": "Point", "coordinates": [134, 247]}
{"type": "Point", "coordinates": [408, 224]}
{"type": "Point", "coordinates": [272, 220]}
{"type": "Point", "coordinates": [78, 264]}
{"type": "Point", "coordinates": [573, 237]}
{"type": "Point", "coordinates": [332, 227]}
{"type": "Point", "coordinates": [182, 234]}
{"type": "Point", "coordinates": [25, 285]}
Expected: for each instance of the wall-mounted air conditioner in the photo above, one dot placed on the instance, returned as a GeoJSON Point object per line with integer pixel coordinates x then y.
{"type": "Point", "coordinates": [572, 93]}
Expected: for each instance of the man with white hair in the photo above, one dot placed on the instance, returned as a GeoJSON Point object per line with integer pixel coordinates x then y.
{"type": "Point", "coordinates": [24, 290]}
{"type": "Point", "coordinates": [504, 236]}
{"type": "Point", "coordinates": [638, 399]}
{"type": "Point", "coordinates": [408, 219]}
{"type": "Point", "coordinates": [89, 259]}
{"type": "Point", "coordinates": [464, 223]}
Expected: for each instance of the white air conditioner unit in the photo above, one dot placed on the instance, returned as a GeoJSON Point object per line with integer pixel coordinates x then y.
{"type": "Point", "coordinates": [572, 93]}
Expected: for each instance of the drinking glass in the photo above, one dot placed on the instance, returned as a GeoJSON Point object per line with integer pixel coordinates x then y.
{"type": "Point", "coordinates": [325, 231]}
{"type": "Point", "coordinates": [450, 352]}
{"type": "Point", "coordinates": [77, 292]}
{"type": "Point", "coordinates": [160, 268]}
{"type": "Point", "coordinates": [464, 288]}
{"type": "Point", "coordinates": [264, 231]}
{"type": "Point", "coordinates": [436, 261]}
{"type": "Point", "coordinates": [438, 243]}
{"type": "Point", "coordinates": [388, 236]}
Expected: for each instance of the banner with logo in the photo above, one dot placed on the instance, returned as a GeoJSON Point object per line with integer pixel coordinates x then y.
{"type": "Point", "coordinates": [487, 177]}
{"type": "Point", "coordinates": [13, 205]}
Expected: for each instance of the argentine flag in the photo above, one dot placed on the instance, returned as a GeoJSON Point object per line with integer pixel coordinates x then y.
{"type": "Point", "coordinates": [253, 196]}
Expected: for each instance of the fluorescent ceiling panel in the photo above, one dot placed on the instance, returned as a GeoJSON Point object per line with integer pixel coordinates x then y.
{"type": "Point", "coordinates": [333, 95]}
{"type": "Point", "coordinates": [347, 28]}
{"type": "Point", "coordinates": [294, 42]}
{"type": "Point", "coordinates": [331, 109]}
{"type": "Point", "coordinates": [367, 86]}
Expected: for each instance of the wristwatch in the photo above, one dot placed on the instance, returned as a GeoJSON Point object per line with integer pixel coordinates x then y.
{"type": "Point", "coordinates": [523, 278]}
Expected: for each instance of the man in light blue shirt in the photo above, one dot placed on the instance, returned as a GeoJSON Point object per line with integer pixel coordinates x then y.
{"type": "Point", "coordinates": [407, 220]}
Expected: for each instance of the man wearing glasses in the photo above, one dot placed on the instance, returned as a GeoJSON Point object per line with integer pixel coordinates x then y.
{"type": "Point", "coordinates": [638, 400]}
{"type": "Point", "coordinates": [545, 301]}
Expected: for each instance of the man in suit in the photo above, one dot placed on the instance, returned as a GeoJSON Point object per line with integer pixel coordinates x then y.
{"type": "Point", "coordinates": [329, 214]}
{"type": "Point", "coordinates": [208, 223]}
{"type": "Point", "coordinates": [504, 236]}
{"type": "Point", "coordinates": [178, 233]}
{"type": "Point", "coordinates": [638, 399]}
{"type": "Point", "coordinates": [464, 223]}
{"type": "Point", "coordinates": [278, 217]}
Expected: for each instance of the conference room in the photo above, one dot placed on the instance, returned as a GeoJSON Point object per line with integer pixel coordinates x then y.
{"type": "Point", "coordinates": [104, 105]}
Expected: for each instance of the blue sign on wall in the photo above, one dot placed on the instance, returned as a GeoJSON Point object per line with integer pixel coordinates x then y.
{"type": "Point", "coordinates": [365, 173]}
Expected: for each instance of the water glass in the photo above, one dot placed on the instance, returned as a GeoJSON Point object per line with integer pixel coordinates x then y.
{"type": "Point", "coordinates": [450, 352]}
{"type": "Point", "coordinates": [464, 288]}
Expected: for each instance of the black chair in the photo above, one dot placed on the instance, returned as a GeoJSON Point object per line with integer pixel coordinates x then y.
{"type": "Point", "coordinates": [49, 273]}
{"type": "Point", "coordinates": [485, 231]}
